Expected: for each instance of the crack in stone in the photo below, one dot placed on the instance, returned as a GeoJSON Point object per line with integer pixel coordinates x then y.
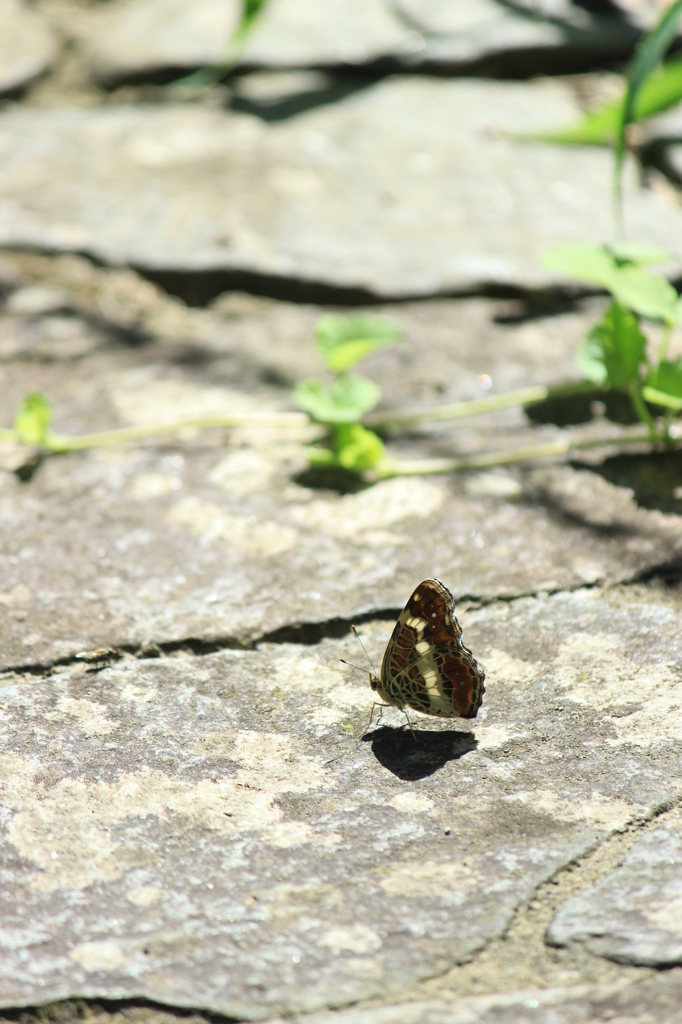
{"type": "Point", "coordinates": [309, 634]}
{"type": "Point", "coordinates": [133, 1011]}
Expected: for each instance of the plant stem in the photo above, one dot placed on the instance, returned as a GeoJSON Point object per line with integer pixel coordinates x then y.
{"type": "Point", "coordinates": [488, 460]}
{"type": "Point", "coordinates": [58, 443]}
{"type": "Point", "coordinates": [525, 396]}
{"type": "Point", "coordinates": [642, 411]}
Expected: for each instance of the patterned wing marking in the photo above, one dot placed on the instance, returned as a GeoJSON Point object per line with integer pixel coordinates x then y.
{"type": "Point", "coordinates": [426, 666]}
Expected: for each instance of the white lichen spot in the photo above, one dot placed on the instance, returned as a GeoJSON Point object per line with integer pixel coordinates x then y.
{"type": "Point", "coordinates": [338, 690]}
{"type": "Point", "coordinates": [91, 717]}
{"type": "Point", "coordinates": [490, 737]}
{"type": "Point", "coordinates": [99, 956]}
{"type": "Point", "coordinates": [357, 938]}
{"type": "Point", "coordinates": [244, 471]}
{"type": "Point", "coordinates": [145, 486]}
{"type": "Point", "coordinates": [502, 668]}
{"type": "Point", "coordinates": [411, 803]}
{"type": "Point", "coordinates": [431, 878]}
{"type": "Point", "coordinates": [666, 913]}
{"type": "Point", "coordinates": [244, 533]}
{"type": "Point", "coordinates": [138, 694]}
{"type": "Point", "coordinates": [358, 517]}
{"type": "Point", "coordinates": [139, 399]}
{"type": "Point", "coordinates": [595, 672]}
{"type": "Point", "coordinates": [145, 897]}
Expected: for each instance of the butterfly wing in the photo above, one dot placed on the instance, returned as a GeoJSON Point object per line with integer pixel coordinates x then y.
{"type": "Point", "coordinates": [426, 666]}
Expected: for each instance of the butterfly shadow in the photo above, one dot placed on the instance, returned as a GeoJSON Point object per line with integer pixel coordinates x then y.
{"type": "Point", "coordinates": [411, 756]}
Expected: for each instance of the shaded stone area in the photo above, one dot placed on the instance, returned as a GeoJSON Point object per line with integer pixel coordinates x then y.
{"type": "Point", "coordinates": [209, 829]}
{"type": "Point", "coordinates": [410, 187]}
{"type": "Point", "coordinates": [634, 915]}
{"type": "Point", "coordinates": [27, 48]}
{"type": "Point", "coordinates": [158, 39]}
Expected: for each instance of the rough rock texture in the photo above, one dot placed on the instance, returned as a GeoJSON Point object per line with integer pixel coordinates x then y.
{"type": "Point", "coordinates": [27, 47]}
{"type": "Point", "coordinates": [138, 39]}
{"type": "Point", "coordinates": [406, 188]}
{"type": "Point", "coordinates": [200, 536]}
{"type": "Point", "coordinates": [657, 999]}
{"type": "Point", "coordinates": [209, 832]}
{"type": "Point", "coordinates": [633, 916]}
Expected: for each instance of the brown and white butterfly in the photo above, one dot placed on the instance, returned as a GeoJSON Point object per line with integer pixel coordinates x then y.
{"type": "Point", "coordinates": [426, 666]}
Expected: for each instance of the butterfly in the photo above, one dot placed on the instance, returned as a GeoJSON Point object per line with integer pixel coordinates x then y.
{"type": "Point", "coordinates": [426, 666]}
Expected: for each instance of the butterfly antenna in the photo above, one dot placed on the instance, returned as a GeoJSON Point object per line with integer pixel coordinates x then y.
{"type": "Point", "coordinates": [357, 636]}
{"type": "Point", "coordinates": [351, 665]}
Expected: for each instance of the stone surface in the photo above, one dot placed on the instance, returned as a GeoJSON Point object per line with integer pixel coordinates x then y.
{"type": "Point", "coordinates": [27, 48]}
{"type": "Point", "coordinates": [208, 831]}
{"type": "Point", "coordinates": [658, 999]}
{"type": "Point", "coordinates": [218, 539]}
{"type": "Point", "coordinates": [633, 916]}
{"type": "Point", "coordinates": [138, 39]}
{"type": "Point", "coordinates": [407, 188]}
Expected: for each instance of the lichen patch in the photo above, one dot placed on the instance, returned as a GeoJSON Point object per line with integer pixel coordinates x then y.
{"type": "Point", "coordinates": [75, 832]}
{"type": "Point", "coordinates": [358, 517]}
{"type": "Point", "coordinates": [244, 533]}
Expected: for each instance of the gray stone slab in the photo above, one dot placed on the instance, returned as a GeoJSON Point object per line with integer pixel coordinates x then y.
{"type": "Point", "coordinates": [138, 39]}
{"type": "Point", "coordinates": [634, 916]}
{"type": "Point", "coordinates": [407, 188]}
{"type": "Point", "coordinates": [208, 831]}
{"type": "Point", "coordinates": [216, 538]}
{"type": "Point", "coordinates": [27, 47]}
{"type": "Point", "coordinates": [220, 544]}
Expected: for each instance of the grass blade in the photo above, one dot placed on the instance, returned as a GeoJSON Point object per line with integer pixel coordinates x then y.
{"type": "Point", "coordinates": [649, 54]}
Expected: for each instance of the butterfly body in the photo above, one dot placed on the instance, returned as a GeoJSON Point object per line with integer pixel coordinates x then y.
{"type": "Point", "coordinates": [426, 666]}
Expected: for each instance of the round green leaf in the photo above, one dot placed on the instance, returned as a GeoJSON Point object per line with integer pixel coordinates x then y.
{"type": "Point", "coordinates": [359, 449]}
{"type": "Point", "coordinates": [346, 401]}
{"type": "Point", "coordinates": [33, 419]}
{"type": "Point", "coordinates": [344, 341]}
{"type": "Point", "coordinates": [590, 263]}
{"type": "Point", "coordinates": [645, 293]}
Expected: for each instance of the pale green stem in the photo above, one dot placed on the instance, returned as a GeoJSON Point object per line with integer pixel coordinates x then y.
{"type": "Point", "coordinates": [642, 411]}
{"type": "Point", "coordinates": [525, 396]}
{"type": "Point", "coordinates": [489, 460]}
{"type": "Point", "coordinates": [58, 443]}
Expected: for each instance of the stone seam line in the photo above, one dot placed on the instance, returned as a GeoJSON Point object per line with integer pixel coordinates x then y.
{"type": "Point", "coordinates": [306, 634]}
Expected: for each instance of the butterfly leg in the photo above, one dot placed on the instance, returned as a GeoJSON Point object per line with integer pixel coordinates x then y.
{"type": "Point", "coordinates": [410, 724]}
{"type": "Point", "coordinates": [376, 704]}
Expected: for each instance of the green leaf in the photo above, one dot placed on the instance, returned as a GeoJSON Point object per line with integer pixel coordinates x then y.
{"type": "Point", "coordinates": [590, 361]}
{"type": "Point", "coordinates": [33, 420]}
{"type": "Point", "coordinates": [346, 401]}
{"type": "Point", "coordinates": [343, 341]}
{"type": "Point", "coordinates": [638, 253]}
{"type": "Point", "coordinates": [320, 456]}
{"type": "Point", "coordinates": [618, 345]}
{"type": "Point", "coordinates": [656, 397]}
{"type": "Point", "coordinates": [648, 56]}
{"type": "Point", "coordinates": [664, 385]}
{"type": "Point", "coordinates": [584, 262]}
{"type": "Point", "coordinates": [645, 293]}
{"type": "Point", "coordinates": [600, 127]}
{"type": "Point", "coordinates": [358, 448]}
